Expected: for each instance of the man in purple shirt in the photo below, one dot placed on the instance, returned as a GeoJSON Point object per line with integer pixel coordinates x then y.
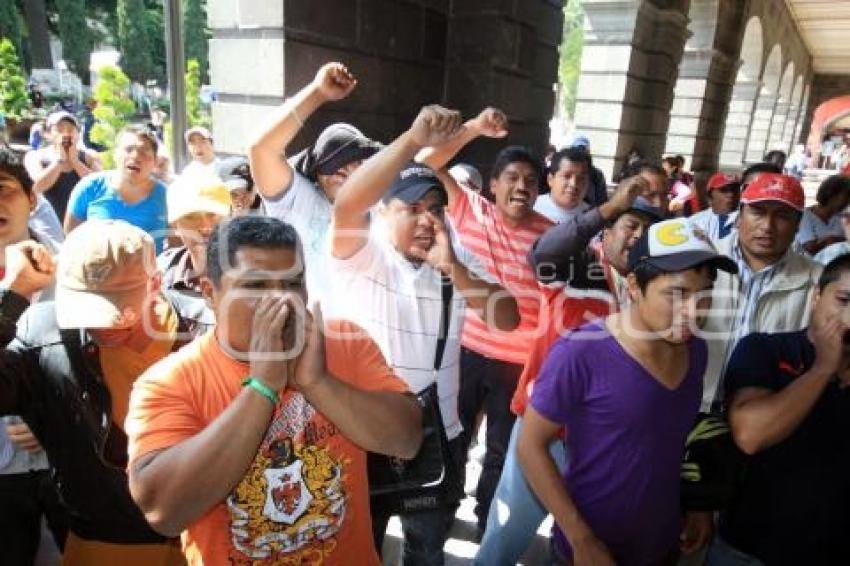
{"type": "Point", "coordinates": [627, 390]}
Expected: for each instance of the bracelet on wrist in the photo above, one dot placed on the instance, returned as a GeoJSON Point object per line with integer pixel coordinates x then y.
{"type": "Point", "coordinates": [263, 389]}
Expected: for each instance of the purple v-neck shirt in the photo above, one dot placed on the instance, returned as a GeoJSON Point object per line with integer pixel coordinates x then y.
{"type": "Point", "coordinates": [625, 439]}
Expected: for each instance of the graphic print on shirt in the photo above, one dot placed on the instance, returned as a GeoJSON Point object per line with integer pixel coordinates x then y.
{"type": "Point", "coordinates": [291, 504]}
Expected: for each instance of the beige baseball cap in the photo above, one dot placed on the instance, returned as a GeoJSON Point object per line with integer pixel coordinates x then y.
{"type": "Point", "coordinates": [103, 269]}
{"type": "Point", "coordinates": [198, 192]}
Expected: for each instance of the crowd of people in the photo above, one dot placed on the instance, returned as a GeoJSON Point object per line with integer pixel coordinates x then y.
{"type": "Point", "coordinates": [224, 366]}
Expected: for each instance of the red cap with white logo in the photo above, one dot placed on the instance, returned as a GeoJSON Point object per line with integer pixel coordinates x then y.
{"type": "Point", "coordinates": [775, 187]}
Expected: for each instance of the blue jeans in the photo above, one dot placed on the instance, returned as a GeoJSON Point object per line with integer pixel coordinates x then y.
{"type": "Point", "coordinates": [515, 513]}
{"type": "Point", "coordinates": [721, 553]}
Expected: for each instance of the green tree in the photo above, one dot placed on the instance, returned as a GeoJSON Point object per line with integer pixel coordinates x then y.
{"type": "Point", "coordinates": [155, 28]}
{"type": "Point", "coordinates": [38, 34]}
{"type": "Point", "coordinates": [75, 35]}
{"type": "Point", "coordinates": [114, 108]}
{"type": "Point", "coordinates": [13, 88]}
{"type": "Point", "coordinates": [196, 34]}
{"type": "Point", "coordinates": [195, 114]}
{"type": "Point", "coordinates": [569, 67]}
{"type": "Point", "coordinates": [10, 23]}
{"type": "Point", "coordinates": [133, 40]}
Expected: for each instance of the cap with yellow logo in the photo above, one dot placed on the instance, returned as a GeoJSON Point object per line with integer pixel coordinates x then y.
{"type": "Point", "coordinates": [676, 245]}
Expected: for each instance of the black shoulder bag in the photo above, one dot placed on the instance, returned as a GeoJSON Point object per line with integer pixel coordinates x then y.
{"type": "Point", "coordinates": [431, 478]}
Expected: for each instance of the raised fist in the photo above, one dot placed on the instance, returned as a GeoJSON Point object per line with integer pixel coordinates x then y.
{"type": "Point", "coordinates": [29, 268]}
{"type": "Point", "coordinates": [435, 125]}
{"type": "Point", "coordinates": [491, 123]}
{"type": "Point", "coordinates": [334, 81]}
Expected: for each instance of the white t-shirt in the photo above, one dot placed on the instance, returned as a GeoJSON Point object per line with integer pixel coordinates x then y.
{"type": "Point", "coordinates": [196, 167]}
{"type": "Point", "coordinates": [813, 228]}
{"type": "Point", "coordinates": [558, 214]}
{"type": "Point", "coordinates": [709, 222]}
{"type": "Point", "coordinates": [400, 305]}
{"type": "Point", "coordinates": [305, 206]}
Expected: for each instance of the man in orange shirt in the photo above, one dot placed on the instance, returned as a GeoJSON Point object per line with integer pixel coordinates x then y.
{"type": "Point", "coordinates": [252, 440]}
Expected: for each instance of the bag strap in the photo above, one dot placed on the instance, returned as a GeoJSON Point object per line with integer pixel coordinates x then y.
{"type": "Point", "coordinates": [447, 289]}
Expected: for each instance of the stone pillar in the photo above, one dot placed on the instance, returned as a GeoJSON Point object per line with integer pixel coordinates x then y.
{"type": "Point", "coordinates": [696, 118]}
{"type": "Point", "coordinates": [777, 126]}
{"type": "Point", "coordinates": [760, 127]}
{"type": "Point", "coordinates": [790, 125]}
{"type": "Point", "coordinates": [406, 54]}
{"type": "Point", "coordinates": [261, 52]}
{"type": "Point", "coordinates": [629, 68]}
{"type": "Point", "coordinates": [504, 53]}
{"type": "Point", "coordinates": [738, 120]}
{"type": "Point", "coordinates": [246, 68]}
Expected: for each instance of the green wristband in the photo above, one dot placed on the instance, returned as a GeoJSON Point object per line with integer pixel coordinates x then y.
{"type": "Point", "coordinates": [262, 389]}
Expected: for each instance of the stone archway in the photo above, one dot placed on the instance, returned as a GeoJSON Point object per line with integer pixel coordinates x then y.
{"type": "Point", "coordinates": [765, 107]}
{"type": "Point", "coordinates": [744, 93]}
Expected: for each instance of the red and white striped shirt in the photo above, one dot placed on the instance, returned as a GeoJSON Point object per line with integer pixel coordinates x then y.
{"type": "Point", "coordinates": [503, 249]}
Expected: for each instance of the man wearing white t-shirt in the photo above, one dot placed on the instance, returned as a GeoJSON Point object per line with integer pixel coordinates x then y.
{"type": "Point", "coordinates": [199, 141]}
{"type": "Point", "coordinates": [392, 263]}
{"type": "Point", "coordinates": [568, 179]}
{"type": "Point", "coordinates": [301, 190]}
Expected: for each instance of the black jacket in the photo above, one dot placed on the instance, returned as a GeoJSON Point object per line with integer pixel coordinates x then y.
{"type": "Point", "coordinates": [53, 379]}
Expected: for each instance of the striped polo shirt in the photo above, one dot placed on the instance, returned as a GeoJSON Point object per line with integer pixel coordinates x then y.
{"type": "Point", "coordinates": [503, 250]}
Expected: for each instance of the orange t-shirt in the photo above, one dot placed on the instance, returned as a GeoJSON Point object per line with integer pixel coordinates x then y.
{"type": "Point", "coordinates": [305, 498]}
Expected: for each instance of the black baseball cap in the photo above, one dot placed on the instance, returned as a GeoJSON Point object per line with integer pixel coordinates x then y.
{"type": "Point", "coordinates": [643, 206]}
{"type": "Point", "coordinates": [413, 182]}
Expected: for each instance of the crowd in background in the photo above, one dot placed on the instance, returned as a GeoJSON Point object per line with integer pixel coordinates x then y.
{"type": "Point", "coordinates": [224, 364]}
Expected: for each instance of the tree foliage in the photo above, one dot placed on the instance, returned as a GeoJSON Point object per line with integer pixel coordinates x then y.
{"type": "Point", "coordinates": [13, 88]}
{"type": "Point", "coordinates": [134, 40]}
{"type": "Point", "coordinates": [75, 35]}
{"type": "Point", "coordinates": [196, 34]}
{"type": "Point", "coordinates": [195, 114]}
{"type": "Point", "coordinates": [114, 108]}
{"type": "Point", "coordinates": [569, 67]}
{"type": "Point", "coordinates": [10, 24]}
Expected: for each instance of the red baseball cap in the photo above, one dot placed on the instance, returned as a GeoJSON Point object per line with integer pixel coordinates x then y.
{"type": "Point", "coordinates": [846, 170]}
{"type": "Point", "coordinates": [775, 187]}
{"type": "Point", "coordinates": [721, 180]}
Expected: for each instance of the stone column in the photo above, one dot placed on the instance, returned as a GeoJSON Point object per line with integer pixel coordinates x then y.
{"type": "Point", "coordinates": [696, 118]}
{"type": "Point", "coordinates": [790, 124]}
{"type": "Point", "coordinates": [738, 120]}
{"type": "Point", "coordinates": [406, 54]}
{"type": "Point", "coordinates": [504, 53]}
{"type": "Point", "coordinates": [777, 126]}
{"type": "Point", "coordinates": [261, 52]}
{"type": "Point", "coordinates": [629, 68]}
{"type": "Point", "coordinates": [246, 68]}
{"type": "Point", "coordinates": [760, 127]}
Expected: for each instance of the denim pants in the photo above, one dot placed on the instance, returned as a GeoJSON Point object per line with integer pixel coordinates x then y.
{"type": "Point", "coordinates": [488, 384]}
{"type": "Point", "coordinates": [425, 532]}
{"type": "Point", "coordinates": [515, 513]}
